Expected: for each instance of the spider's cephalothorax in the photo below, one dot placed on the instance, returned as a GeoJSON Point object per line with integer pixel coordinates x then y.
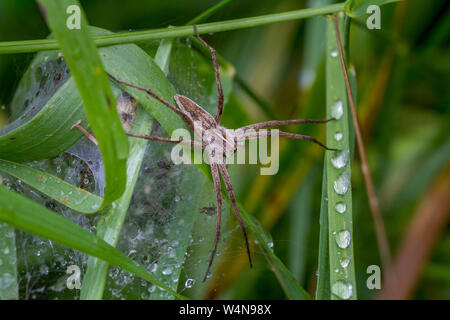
{"type": "Point", "coordinates": [219, 141]}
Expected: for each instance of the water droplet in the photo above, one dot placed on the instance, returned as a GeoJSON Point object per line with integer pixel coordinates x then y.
{"type": "Point", "coordinates": [343, 239]}
{"type": "Point", "coordinates": [189, 283]}
{"type": "Point", "coordinates": [340, 160]}
{"type": "Point", "coordinates": [342, 290]}
{"type": "Point", "coordinates": [337, 110]}
{"type": "Point", "coordinates": [334, 53]}
{"type": "Point", "coordinates": [270, 244]}
{"type": "Point", "coordinates": [338, 136]}
{"type": "Point", "coordinates": [344, 262]}
{"type": "Point", "coordinates": [167, 270]}
{"type": "Point", "coordinates": [340, 207]}
{"type": "Point", "coordinates": [154, 267]}
{"type": "Point", "coordinates": [171, 252]}
{"type": "Point", "coordinates": [342, 184]}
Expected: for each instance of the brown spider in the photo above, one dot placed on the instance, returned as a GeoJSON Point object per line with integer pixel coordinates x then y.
{"type": "Point", "coordinates": [220, 143]}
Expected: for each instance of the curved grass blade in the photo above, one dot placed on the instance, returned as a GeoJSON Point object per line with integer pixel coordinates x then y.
{"type": "Point", "coordinates": [31, 217]}
{"type": "Point", "coordinates": [44, 108]}
{"type": "Point", "coordinates": [75, 198]}
{"type": "Point", "coordinates": [83, 59]}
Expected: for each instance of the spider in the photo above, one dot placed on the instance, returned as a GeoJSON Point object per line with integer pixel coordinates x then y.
{"type": "Point", "coordinates": [220, 142]}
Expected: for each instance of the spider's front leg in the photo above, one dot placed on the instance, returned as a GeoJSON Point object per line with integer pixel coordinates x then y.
{"type": "Point", "coordinates": [263, 134]}
{"type": "Point", "coordinates": [191, 143]}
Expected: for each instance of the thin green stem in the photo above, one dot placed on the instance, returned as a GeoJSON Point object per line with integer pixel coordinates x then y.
{"type": "Point", "coordinates": [175, 32]}
{"type": "Point", "coordinates": [208, 13]}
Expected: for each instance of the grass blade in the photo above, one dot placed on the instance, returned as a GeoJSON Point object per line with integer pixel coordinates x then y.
{"type": "Point", "coordinates": [338, 172]}
{"type": "Point", "coordinates": [31, 217]}
{"type": "Point", "coordinates": [75, 198]}
{"type": "Point", "coordinates": [83, 59]}
{"type": "Point", "coordinates": [323, 291]}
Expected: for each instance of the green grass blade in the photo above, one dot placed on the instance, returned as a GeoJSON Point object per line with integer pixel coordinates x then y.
{"type": "Point", "coordinates": [75, 198]}
{"type": "Point", "coordinates": [338, 171]}
{"type": "Point", "coordinates": [31, 217]}
{"type": "Point", "coordinates": [83, 59]}
{"type": "Point", "coordinates": [323, 278]}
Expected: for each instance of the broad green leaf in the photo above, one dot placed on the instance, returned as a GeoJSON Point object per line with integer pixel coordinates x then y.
{"type": "Point", "coordinates": [357, 8]}
{"type": "Point", "coordinates": [31, 217]}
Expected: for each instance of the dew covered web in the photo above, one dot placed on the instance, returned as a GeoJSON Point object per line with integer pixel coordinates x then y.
{"type": "Point", "coordinates": [170, 224]}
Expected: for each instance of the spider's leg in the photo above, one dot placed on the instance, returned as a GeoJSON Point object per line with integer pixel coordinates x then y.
{"type": "Point", "coordinates": [275, 123]}
{"type": "Point", "coordinates": [256, 135]}
{"type": "Point", "coordinates": [85, 132]}
{"type": "Point", "coordinates": [216, 71]}
{"type": "Point", "coordinates": [227, 181]}
{"type": "Point", "coordinates": [152, 94]}
{"type": "Point", "coordinates": [216, 179]}
{"type": "Point", "coordinates": [194, 144]}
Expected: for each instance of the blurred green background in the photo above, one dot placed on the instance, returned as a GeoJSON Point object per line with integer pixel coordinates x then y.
{"type": "Point", "coordinates": [403, 100]}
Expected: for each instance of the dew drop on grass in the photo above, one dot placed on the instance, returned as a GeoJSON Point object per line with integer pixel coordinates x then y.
{"type": "Point", "coordinates": [341, 159]}
{"type": "Point", "coordinates": [334, 53]}
{"type": "Point", "coordinates": [340, 207]}
{"type": "Point", "coordinates": [344, 262]}
{"type": "Point", "coordinates": [342, 184]}
{"type": "Point", "coordinates": [338, 136]}
{"type": "Point", "coordinates": [189, 283]}
{"type": "Point", "coordinates": [337, 110]}
{"type": "Point", "coordinates": [167, 271]}
{"type": "Point", "coordinates": [342, 290]}
{"type": "Point", "coordinates": [343, 239]}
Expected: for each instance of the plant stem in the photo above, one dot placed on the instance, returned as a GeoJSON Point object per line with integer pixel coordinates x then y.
{"type": "Point", "coordinates": [174, 32]}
